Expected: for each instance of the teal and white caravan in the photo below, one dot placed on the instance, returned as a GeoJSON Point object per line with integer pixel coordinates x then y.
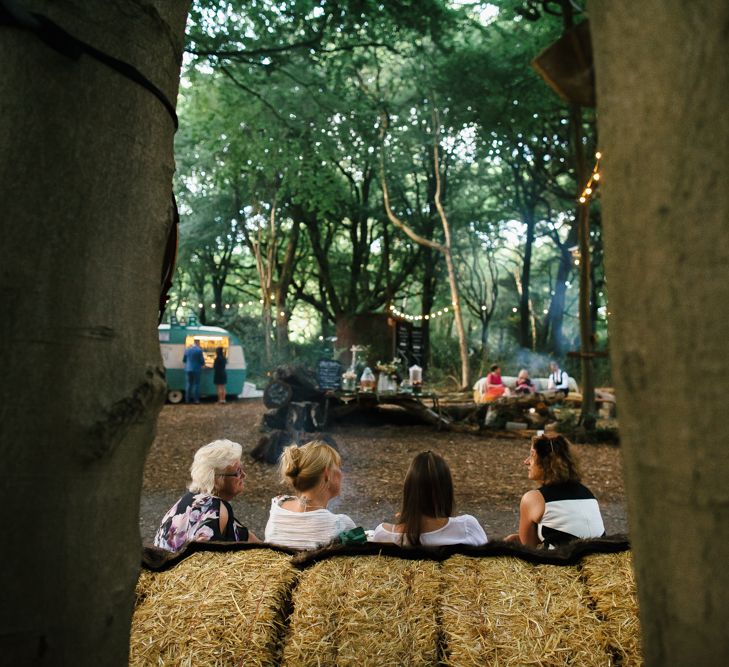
{"type": "Point", "coordinates": [175, 337]}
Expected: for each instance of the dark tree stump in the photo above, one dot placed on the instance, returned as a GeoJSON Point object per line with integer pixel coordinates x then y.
{"type": "Point", "coordinates": [271, 446]}
{"type": "Point", "coordinates": [277, 394]}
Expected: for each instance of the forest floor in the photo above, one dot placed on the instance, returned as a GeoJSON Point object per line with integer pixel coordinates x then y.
{"type": "Point", "coordinates": [488, 472]}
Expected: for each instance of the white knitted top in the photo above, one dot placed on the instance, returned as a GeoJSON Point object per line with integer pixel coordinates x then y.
{"type": "Point", "coordinates": [463, 529]}
{"type": "Point", "coordinates": [303, 530]}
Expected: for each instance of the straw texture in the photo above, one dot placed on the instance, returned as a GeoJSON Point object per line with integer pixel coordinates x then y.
{"type": "Point", "coordinates": [611, 585]}
{"type": "Point", "coordinates": [252, 607]}
{"type": "Point", "coordinates": [213, 609]}
{"type": "Point", "coordinates": [374, 611]}
{"type": "Point", "coordinates": [503, 611]}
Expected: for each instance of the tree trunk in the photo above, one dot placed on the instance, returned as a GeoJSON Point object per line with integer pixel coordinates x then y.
{"type": "Point", "coordinates": [525, 312]}
{"type": "Point", "coordinates": [587, 414]}
{"type": "Point", "coordinates": [663, 91]}
{"type": "Point", "coordinates": [551, 339]}
{"type": "Point", "coordinates": [85, 183]}
{"type": "Point", "coordinates": [458, 320]}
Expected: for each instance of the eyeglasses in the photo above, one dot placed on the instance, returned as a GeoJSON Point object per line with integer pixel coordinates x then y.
{"type": "Point", "coordinates": [239, 473]}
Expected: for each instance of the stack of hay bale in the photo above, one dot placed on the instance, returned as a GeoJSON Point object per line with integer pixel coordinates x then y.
{"type": "Point", "coordinates": [372, 606]}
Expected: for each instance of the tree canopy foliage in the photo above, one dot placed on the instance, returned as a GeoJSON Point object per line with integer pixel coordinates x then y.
{"type": "Point", "coordinates": [293, 113]}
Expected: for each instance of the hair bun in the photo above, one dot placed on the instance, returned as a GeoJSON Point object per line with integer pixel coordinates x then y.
{"type": "Point", "coordinates": [292, 461]}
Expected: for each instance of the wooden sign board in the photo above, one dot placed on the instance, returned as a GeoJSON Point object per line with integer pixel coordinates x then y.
{"type": "Point", "coordinates": [329, 374]}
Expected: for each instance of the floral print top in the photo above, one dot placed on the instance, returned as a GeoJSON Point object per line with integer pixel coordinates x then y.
{"type": "Point", "coordinates": [196, 518]}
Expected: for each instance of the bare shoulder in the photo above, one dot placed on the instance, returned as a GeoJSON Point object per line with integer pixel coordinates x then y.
{"type": "Point", "coordinates": [532, 504]}
{"type": "Point", "coordinates": [532, 497]}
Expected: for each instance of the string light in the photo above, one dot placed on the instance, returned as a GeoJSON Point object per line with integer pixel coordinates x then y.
{"type": "Point", "coordinates": [592, 182]}
{"type": "Point", "coordinates": [417, 318]}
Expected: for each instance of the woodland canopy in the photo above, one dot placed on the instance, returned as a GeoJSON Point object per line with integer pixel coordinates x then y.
{"type": "Point", "coordinates": [295, 118]}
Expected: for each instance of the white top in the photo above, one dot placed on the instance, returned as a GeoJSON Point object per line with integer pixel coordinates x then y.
{"type": "Point", "coordinates": [559, 380]}
{"type": "Point", "coordinates": [303, 530]}
{"type": "Point", "coordinates": [576, 517]}
{"type": "Point", "coordinates": [463, 529]}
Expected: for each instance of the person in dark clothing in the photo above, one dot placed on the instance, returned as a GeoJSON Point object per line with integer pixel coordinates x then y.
{"type": "Point", "coordinates": [220, 377]}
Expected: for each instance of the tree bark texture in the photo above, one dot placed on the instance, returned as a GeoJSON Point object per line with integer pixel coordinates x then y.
{"type": "Point", "coordinates": [85, 182]}
{"type": "Point", "coordinates": [663, 91]}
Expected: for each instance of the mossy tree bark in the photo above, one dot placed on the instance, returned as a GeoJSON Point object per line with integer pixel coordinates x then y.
{"type": "Point", "coordinates": [662, 93]}
{"type": "Point", "coordinates": [85, 182]}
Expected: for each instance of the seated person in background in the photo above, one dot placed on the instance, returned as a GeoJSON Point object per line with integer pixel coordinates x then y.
{"type": "Point", "coordinates": [561, 509]}
{"type": "Point", "coordinates": [494, 385]}
{"type": "Point", "coordinates": [204, 512]}
{"type": "Point", "coordinates": [558, 381]}
{"type": "Point", "coordinates": [427, 507]}
{"type": "Point", "coordinates": [523, 384]}
{"type": "Point", "coordinates": [302, 521]}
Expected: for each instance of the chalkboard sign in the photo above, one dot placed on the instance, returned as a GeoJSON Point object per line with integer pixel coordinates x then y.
{"type": "Point", "coordinates": [402, 338]}
{"type": "Point", "coordinates": [329, 374]}
{"type": "Point", "coordinates": [416, 346]}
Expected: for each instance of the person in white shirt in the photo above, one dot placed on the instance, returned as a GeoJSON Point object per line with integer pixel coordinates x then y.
{"type": "Point", "coordinates": [427, 507]}
{"type": "Point", "coordinates": [302, 521]}
{"type": "Point", "coordinates": [558, 380]}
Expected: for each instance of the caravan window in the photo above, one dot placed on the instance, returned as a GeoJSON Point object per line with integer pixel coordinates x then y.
{"type": "Point", "coordinates": [209, 344]}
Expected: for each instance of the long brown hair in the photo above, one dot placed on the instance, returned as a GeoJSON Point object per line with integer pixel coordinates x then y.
{"type": "Point", "coordinates": [556, 459]}
{"type": "Point", "coordinates": [427, 492]}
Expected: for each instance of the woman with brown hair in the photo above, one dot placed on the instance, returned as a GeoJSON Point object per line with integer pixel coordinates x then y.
{"type": "Point", "coordinates": [427, 507]}
{"type": "Point", "coordinates": [302, 521]}
{"type": "Point", "coordinates": [562, 509]}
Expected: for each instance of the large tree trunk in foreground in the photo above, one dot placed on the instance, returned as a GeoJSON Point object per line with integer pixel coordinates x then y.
{"type": "Point", "coordinates": [663, 94]}
{"type": "Point", "coordinates": [85, 179]}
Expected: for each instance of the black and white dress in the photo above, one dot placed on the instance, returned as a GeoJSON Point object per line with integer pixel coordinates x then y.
{"type": "Point", "coordinates": [571, 512]}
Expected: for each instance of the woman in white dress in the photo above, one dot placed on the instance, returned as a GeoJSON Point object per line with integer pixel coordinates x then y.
{"type": "Point", "coordinates": [427, 508]}
{"type": "Point", "coordinates": [302, 520]}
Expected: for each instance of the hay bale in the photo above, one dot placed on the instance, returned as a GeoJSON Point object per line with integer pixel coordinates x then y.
{"type": "Point", "coordinates": [213, 609]}
{"type": "Point", "coordinates": [144, 583]}
{"type": "Point", "coordinates": [504, 611]}
{"type": "Point", "coordinates": [373, 610]}
{"type": "Point", "coordinates": [610, 581]}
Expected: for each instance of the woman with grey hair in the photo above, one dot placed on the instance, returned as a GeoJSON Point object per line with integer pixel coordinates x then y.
{"type": "Point", "coordinates": [204, 513]}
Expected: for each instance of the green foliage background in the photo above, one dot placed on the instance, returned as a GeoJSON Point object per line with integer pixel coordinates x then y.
{"type": "Point", "coordinates": [279, 159]}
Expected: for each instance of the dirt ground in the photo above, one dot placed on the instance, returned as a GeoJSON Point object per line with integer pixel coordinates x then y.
{"type": "Point", "coordinates": [488, 472]}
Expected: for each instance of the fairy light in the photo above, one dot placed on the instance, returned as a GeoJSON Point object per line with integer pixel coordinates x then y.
{"type": "Point", "coordinates": [433, 315]}
{"type": "Point", "coordinates": [592, 182]}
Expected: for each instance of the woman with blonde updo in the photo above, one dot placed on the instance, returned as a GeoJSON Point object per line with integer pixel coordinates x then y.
{"type": "Point", "coordinates": [302, 521]}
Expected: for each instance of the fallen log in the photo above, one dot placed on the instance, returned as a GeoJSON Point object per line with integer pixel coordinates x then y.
{"type": "Point", "coordinates": [534, 410]}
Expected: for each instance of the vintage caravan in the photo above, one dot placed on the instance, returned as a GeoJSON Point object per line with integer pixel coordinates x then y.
{"type": "Point", "coordinates": [175, 337]}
